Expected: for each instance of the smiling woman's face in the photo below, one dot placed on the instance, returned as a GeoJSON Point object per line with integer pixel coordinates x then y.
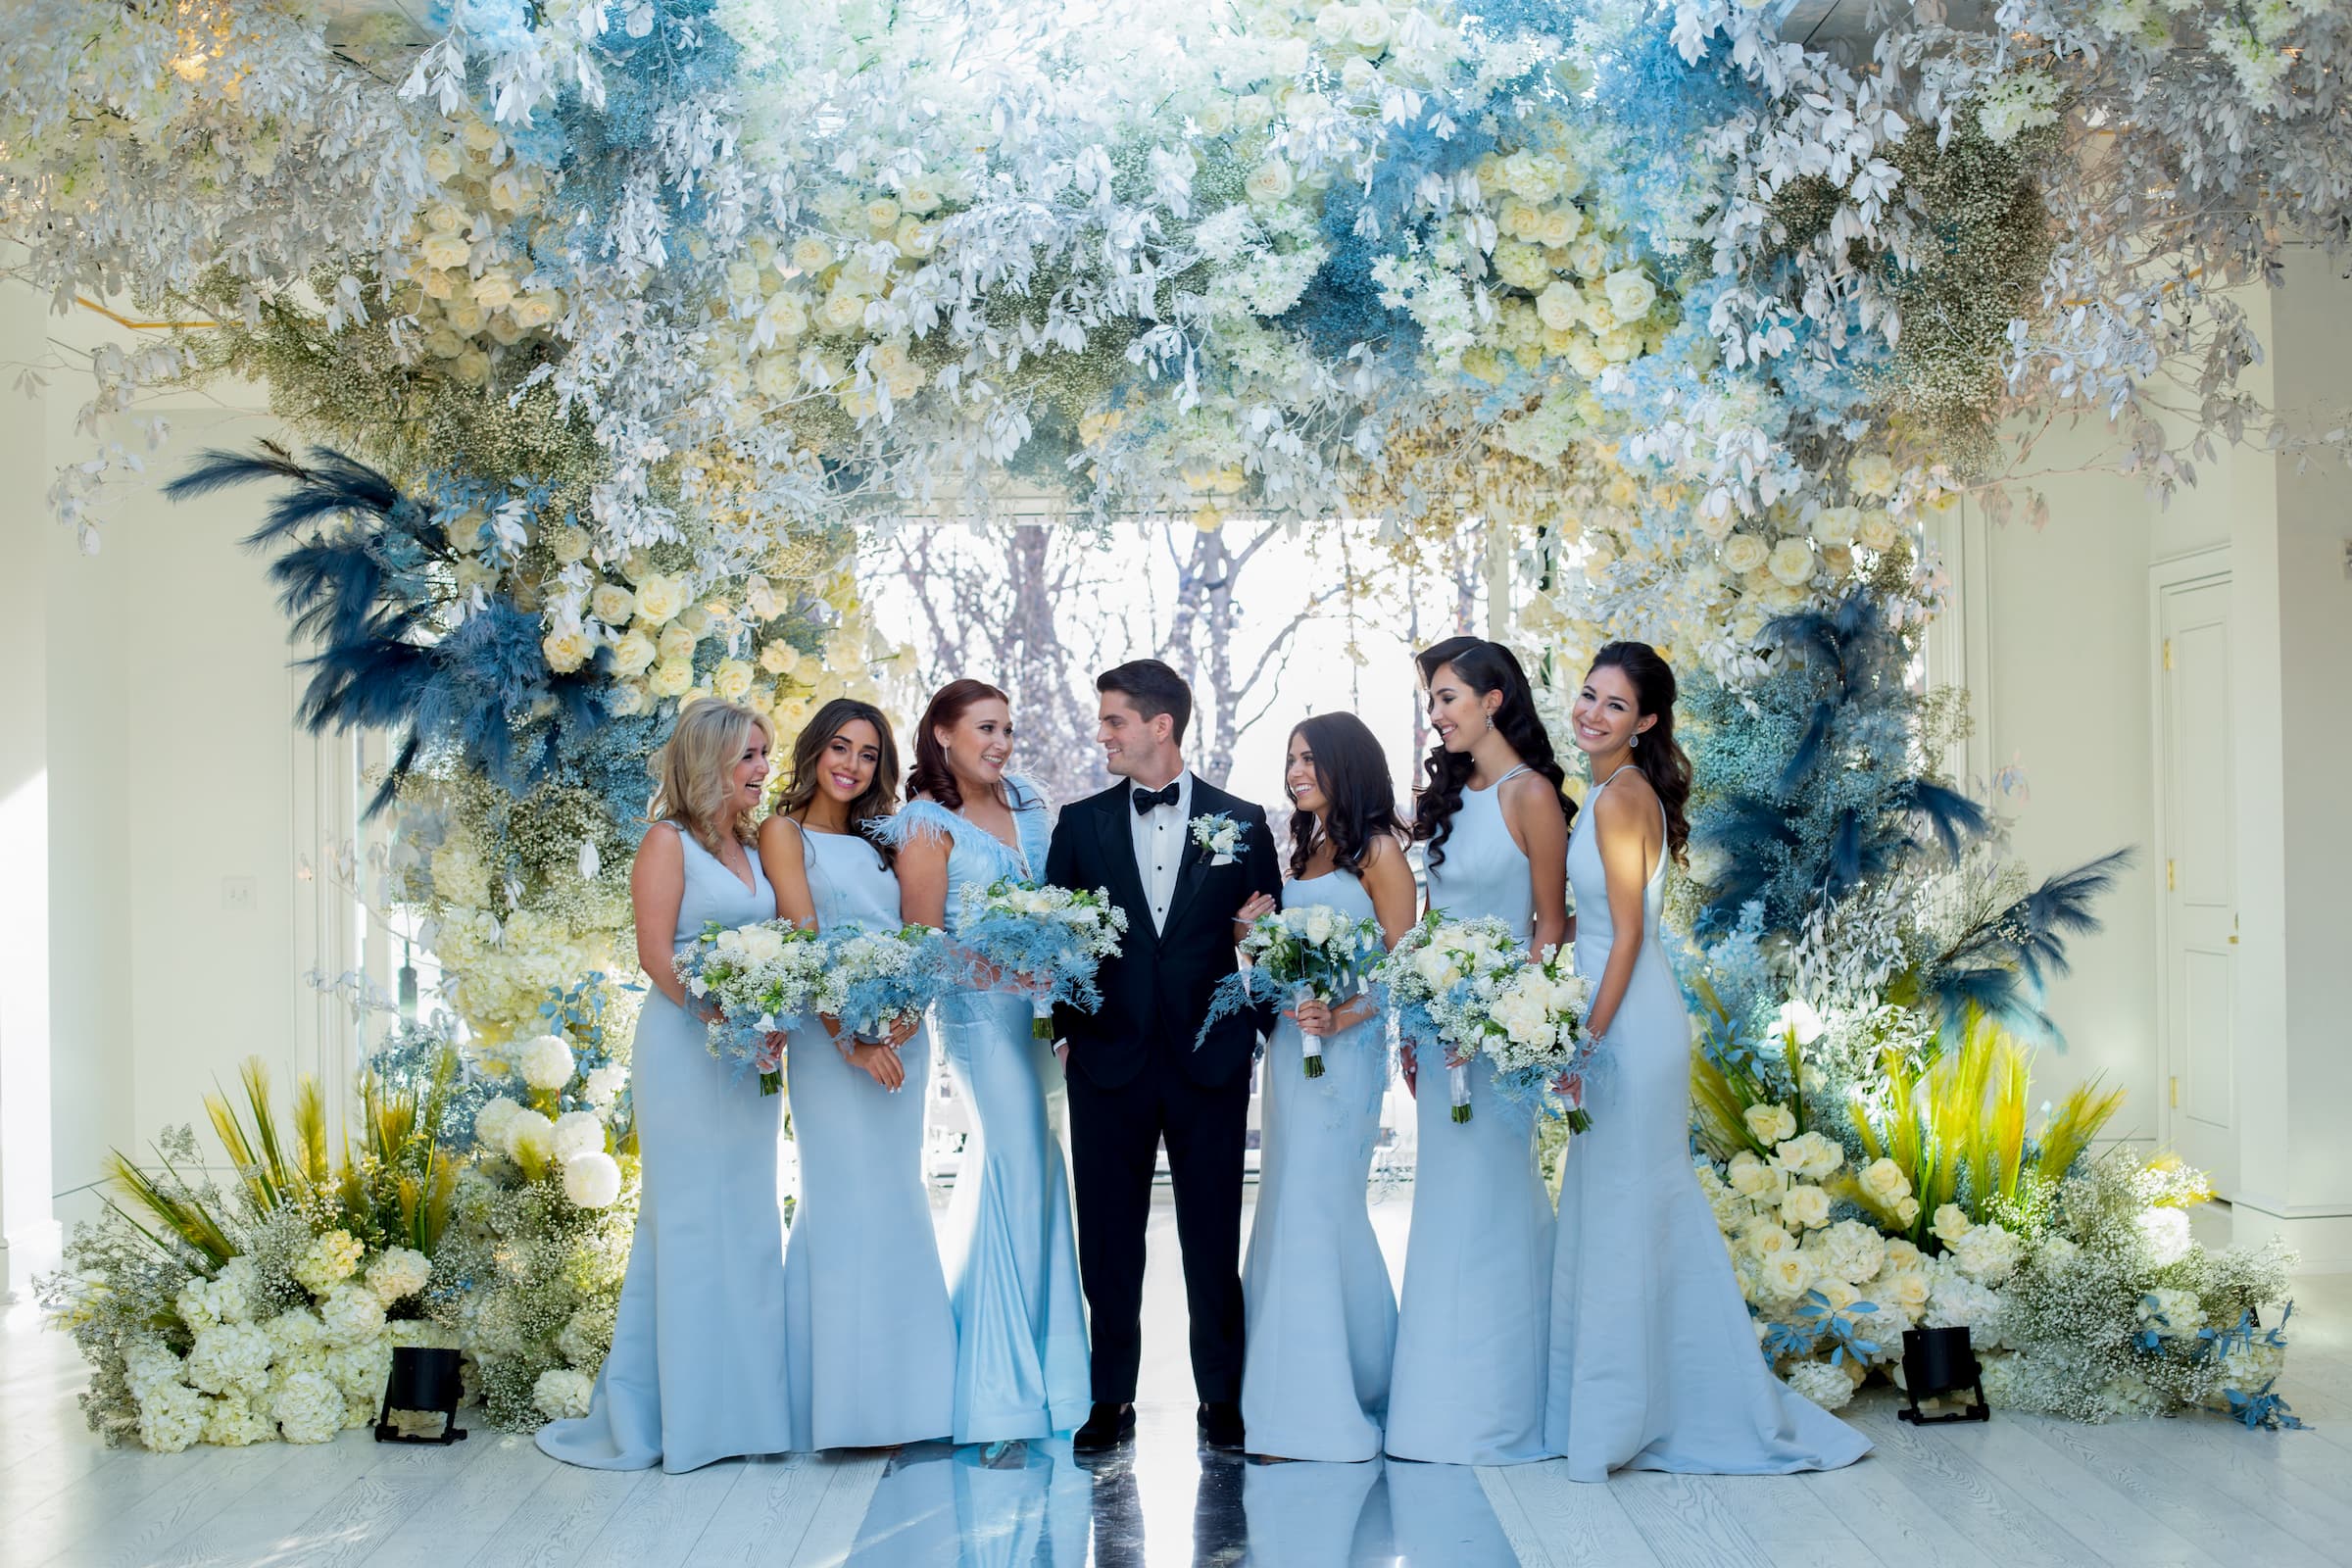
{"type": "Point", "coordinates": [1460, 715]}
{"type": "Point", "coordinates": [1607, 714]}
{"type": "Point", "coordinates": [846, 767]}
{"type": "Point", "coordinates": [979, 743]}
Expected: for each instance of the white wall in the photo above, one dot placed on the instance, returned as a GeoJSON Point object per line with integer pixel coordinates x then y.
{"type": "Point", "coordinates": [174, 774]}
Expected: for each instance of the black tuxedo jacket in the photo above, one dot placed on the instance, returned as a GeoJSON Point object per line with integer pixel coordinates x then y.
{"type": "Point", "coordinates": [1156, 990]}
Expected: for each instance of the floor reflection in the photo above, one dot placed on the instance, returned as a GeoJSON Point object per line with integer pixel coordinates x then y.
{"type": "Point", "coordinates": [1167, 1503]}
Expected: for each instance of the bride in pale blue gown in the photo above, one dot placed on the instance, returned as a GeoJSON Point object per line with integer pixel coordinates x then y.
{"type": "Point", "coordinates": [1011, 1251]}
{"type": "Point", "coordinates": [1321, 1321]}
{"type": "Point", "coordinates": [1467, 1387]}
{"type": "Point", "coordinates": [869, 1336]}
{"type": "Point", "coordinates": [697, 1370]}
{"type": "Point", "coordinates": [1654, 1364]}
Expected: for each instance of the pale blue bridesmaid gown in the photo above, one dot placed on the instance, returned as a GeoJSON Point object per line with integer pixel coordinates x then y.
{"type": "Point", "coordinates": [868, 1333]}
{"type": "Point", "coordinates": [1322, 1319]}
{"type": "Point", "coordinates": [1654, 1364]}
{"type": "Point", "coordinates": [1467, 1387]}
{"type": "Point", "coordinates": [1011, 1251]}
{"type": "Point", "coordinates": [697, 1370]}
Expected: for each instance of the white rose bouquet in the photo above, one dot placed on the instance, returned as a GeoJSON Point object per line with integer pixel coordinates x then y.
{"type": "Point", "coordinates": [886, 978]}
{"type": "Point", "coordinates": [1534, 1032]}
{"type": "Point", "coordinates": [1442, 981]}
{"type": "Point", "coordinates": [758, 979]}
{"type": "Point", "coordinates": [1314, 953]}
{"type": "Point", "coordinates": [1053, 937]}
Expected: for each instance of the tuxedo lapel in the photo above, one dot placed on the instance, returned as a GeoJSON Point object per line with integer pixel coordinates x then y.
{"type": "Point", "coordinates": [1115, 838]}
{"type": "Point", "coordinates": [1193, 864]}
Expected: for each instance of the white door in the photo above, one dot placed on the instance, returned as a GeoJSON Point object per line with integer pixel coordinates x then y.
{"type": "Point", "coordinates": [2195, 752]}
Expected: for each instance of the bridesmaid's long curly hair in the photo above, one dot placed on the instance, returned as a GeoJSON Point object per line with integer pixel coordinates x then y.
{"type": "Point", "coordinates": [1658, 756]}
{"type": "Point", "coordinates": [1484, 667]}
{"type": "Point", "coordinates": [931, 775]}
{"type": "Point", "coordinates": [1352, 773]}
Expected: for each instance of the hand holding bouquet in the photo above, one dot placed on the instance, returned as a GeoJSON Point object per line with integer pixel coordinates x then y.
{"type": "Point", "coordinates": [1442, 979]}
{"type": "Point", "coordinates": [758, 979]}
{"type": "Point", "coordinates": [1056, 937]}
{"type": "Point", "coordinates": [1314, 953]}
{"type": "Point", "coordinates": [886, 978]}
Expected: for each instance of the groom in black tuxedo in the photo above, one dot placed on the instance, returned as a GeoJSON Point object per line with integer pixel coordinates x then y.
{"type": "Point", "coordinates": [1134, 1075]}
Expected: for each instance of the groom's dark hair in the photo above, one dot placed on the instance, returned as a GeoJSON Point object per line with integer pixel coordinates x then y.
{"type": "Point", "coordinates": [1155, 689]}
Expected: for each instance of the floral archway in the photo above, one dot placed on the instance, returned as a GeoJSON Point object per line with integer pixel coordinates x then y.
{"type": "Point", "coordinates": [617, 321]}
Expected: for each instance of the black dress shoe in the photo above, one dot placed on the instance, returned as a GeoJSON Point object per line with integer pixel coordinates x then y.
{"type": "Point", "coordinates": [1220, 1423]}
{"type": "Point", "coordinates": [1107, 1427]}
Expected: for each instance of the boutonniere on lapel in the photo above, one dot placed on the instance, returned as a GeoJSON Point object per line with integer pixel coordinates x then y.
{"type": "Point", "coordinates": [1221, 837]}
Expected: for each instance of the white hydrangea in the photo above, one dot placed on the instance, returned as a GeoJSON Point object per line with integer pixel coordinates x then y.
{"type": "Point", "coordinates": [545, 1061]}
{"type": "Point", "coordinates": [293, 1332]}
{"type": "Point", "coordinates": [147, 1364]}
{"type": "Point", "coordinates": [577, 1133]}
{"type": "Point", "coordinates": [1849, 1250]}
{"type": "Point", "coordinates": [172, 1417]}
{"type": "Point", "coordinates": [1987, 1253]}
{"type": "Point", "coordinates": [308, 1407]}
{"type": "Point", "coordinates": [236, 1421]}
{"type": "Point", "coordinates": [350, 1314]}
{"type": "Point", "coordinates": [360, 1371]}
{"type": "Point", "coordinates": [605, 1084]}
{"type": "Point", "coordinates": [225, 1298]}
{"type": "Point", "coordinates": [2165, 1230]}
{"type": "Point", "coordinates": [1827, 1385]}
{"type": "Point", "coordinates": [562, 1394]}
{"type": "Point", "coordinates": [1956, 1302]}
{"type": "Point", "coordinates": [328, 1261]}
{"type": "Point", "coordinates": [593, 1181]}
{"type": "Point", "coordinates": [398, 1272]}
{"type": "Point", "coordinates": [229, 1357]}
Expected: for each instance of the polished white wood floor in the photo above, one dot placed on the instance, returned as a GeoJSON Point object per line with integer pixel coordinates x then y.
{"type": "Point", "coordinates": [2006, 1495]}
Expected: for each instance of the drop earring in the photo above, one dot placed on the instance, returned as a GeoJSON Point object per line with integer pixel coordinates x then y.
{"type": "Point", "coordinates": [1634, 744]}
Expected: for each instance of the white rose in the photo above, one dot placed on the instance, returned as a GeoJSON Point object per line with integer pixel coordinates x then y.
{"type": "Point", "coordinates": [1744, 553]}
{"type": "Point", "coordinates": [612, 604]}
{"type": "Point", "coordinates": [592, 1180]}
{"type": "Point", "coordinates": [1771, 1124]}
{"type": "Point", "coordinates": [1751, 1177]}
{"type": "Point", "coordinates": [1561, 305]}
{"type": "Point", "coordinates": [1369, 28]}
{"type": "Point", "coordinates": [1805, 1207]}
{"type": "Point", "coordinates": [660, 597]}
{"type": "Point", "coordinates": [571, 544]}
{"type": "Point", "coordinates": [1874, 529]}
{"type": "Point", "coordinates": [811, 254]}
{"type": "Point", "coordinates": [1214, 117]}
{"type": "Point", "coordinates": [1790, 562]}
{"type": "Point", "coordinates": [545, 1061]}
{"type": "Point", "coordinates": [568, 648]}
{"type": "Point", "coordinates": [1270, 182]}
{"type": "Point", "coordinates": [577, 1133]}
{"type": "Point", "coordinates": [1254, 112]}
{"type": "Point", "coordinates": [731, 680]}
{"type": "Point", "coordinates": [1871, 473]}
{"type": "Point", "coordinates": [446, 250]}
{"type": "Point", "coordinates": [1631, 294]}
{"type": "Point", "coordinates": [632, 654]}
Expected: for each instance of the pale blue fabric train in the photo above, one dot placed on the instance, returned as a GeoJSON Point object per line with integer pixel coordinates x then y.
{"type": "Point", "coordinates": [1322, 1319]}
{"type": "Point", "coordinates": [1011, 1251]}
{"type": "Point", "coordinates": [870, 1336]}
{"type": "Point", "coordinates": [697, 1370]}
{"type": "Point", "coordinates": [1467, 1387]}
{"type": "Point", "coordinates": [1655, 1364]}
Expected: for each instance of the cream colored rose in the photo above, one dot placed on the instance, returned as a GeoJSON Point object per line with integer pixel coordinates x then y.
{"type": "Point", "coordinates": [1631, 293]}
{"type": "Point", "coordinates": [785, 316]}
{"type": "Point", "coordinates": [1560, 226]}
{"type": "Point", "coordinates": [919, 197]}
{"type": "Point", "coordinates": [441, 162]}
{"type": "Point", "coordinates": [811, 254]}
{"type": "Point", "coordinates": [1884, 1181]}
{"type": "Point", "coordinates": [1951, 1222]}
{"type": "Point", "coordinates": [840, 312]}
{"type": "Point", "coordinates": [1588, 257]}
{"type": "Point", "coordinates": [465, 316]}
{"type": "Point", "coordinates": [568, 648]}
{"type": "Point", "coordinates": [612, 604]}
{"type": "Point", "coordinates": [1561, 305]}
{"type": "Point", "coordinates": [1214, 117]}
{"type": "Point", "coordinates": [1763, 1239]}
{"type": "Point", "coordinates": [539, 307]}
{"type": "Point", "coordinates": [471, 367]}
{"type": "Point", "coordinates": [1786, 1275]}
{"type": "Point", "coordinates": [778, 376]}
{"type": "Point", "coordinates": [446, 250]}
{"type": "Point", "coordinates": [1254, 112]}
{"type": "Point", "coordinates": [1771, 1124]}
{"type": "Point", "coordinates": [1790, 562]}
{"type": "Point", "coordinates": [659, 597]}
{"type": "Point", "coordinates": [633, 653]}
{"type": "Point", "coordinates": [1369, 28]}
{"type": "Point", "coordinates": [1270, 182]}
{"type": "Point", "coordinates": [676, 642]}
{"type": "Point", "coordinates": [1871, 473]}
{"type": "Point", "coordinates": [1838, 1293]}
{"type": "Point", "coordinates": [494, 290]}
{"type": "Point", "coordinates": [882, 213]}
{"type": "Point", "coordinates": [1805, 1207]}
{"type": "Point", "coordinates": [672, 677]}
{"type": "Point", "coordinates": [1751, 1177]}
{"type": "Point", "coordinates": [731, 680]}
{"type": "Point", "coordinates": [1836, 525]}
{"type": "Point", "coordinates": [916, 238]}
{"type": "Point", "coordinates": [1875, 530]}
{"type": "Point", "coordinates": [779, 657]}
{"type": "Point", "coordinates": [571, 544]}
{"type": "Point", "coordinates": [1585, 356]}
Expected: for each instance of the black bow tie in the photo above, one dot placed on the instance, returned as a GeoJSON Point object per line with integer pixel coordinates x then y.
{"type": "Point", "coordinates": [1145, 800]}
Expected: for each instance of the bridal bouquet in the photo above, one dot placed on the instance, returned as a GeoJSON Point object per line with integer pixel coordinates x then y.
{"type": "Point", "coordinates": [758, 979]}
{"type": "Point", "coordinates": [1054, 937]}
{"type": "Point", "coordinates": [1443, 979]}
{"type": "Point", "coordinates": [1534, 1032]}
{"type": "Point", "coordinates": [1310, 954]}
{"type": "Point", "coordinates": [886, 978]}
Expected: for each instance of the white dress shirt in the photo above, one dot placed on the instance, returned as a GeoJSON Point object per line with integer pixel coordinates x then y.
{"type": "Point", "coordinates": [1160, 845]}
